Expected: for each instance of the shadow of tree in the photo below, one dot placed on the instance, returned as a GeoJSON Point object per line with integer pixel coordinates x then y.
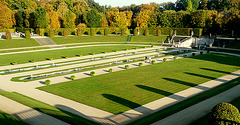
{"type": "Point", "coordinates": [199, 75]}
{"type": "Point", "coordinates": [214, 70]}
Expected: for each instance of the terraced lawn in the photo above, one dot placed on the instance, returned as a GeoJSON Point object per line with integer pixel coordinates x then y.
{"type": "Point", "coordinates": [6, 119]}
{"type": "Point", "coordinates": [17, 43]}
{"type": "Point", "coordinates": [57, 54]}
{"type": "Point", "coordinates": [124, 90]}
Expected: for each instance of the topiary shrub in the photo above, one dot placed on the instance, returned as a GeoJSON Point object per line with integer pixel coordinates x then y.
{"type": "Point", "coordinates": [224, 114]}
{"type": "Point", "coordinates": [175, 57]}
{"type": "Point", "coordinates": [135, 32]}
{"type": "Point", "coordinates": [92, 73]}
{"type": "Point", "coordinates": [110, 70]}
{"type": "Point", "coordinates": [123, 32]}
{"type": "Point", "coordinates": [146, 32]}
{"type": "Point", "coordinates": [27, 34]}
{"type": "Point", "coordinates": [140, 64]}
{"type": "Point", "coordinates": [65, 57]}
{"type": "Point", "coordinates": [50, 58]}
{"type": "Point", "coordinates": [65, 32]}
{"type": "Point", "coordinates": [51, 33]}
{"type": "Point", "coordinates": [165, 59]}
{"type": "Point", "coordinates": [193, 54]}
{"type": "Point", "coordinates": [73, 77]}
{"type": "Point", "coordinates": [201, 53]}
{"type": "Point", "coordinates": [79, 55]}
{"type": "Point", "coordinates": [159, 32]}
{"type": "Point", "coordinates": [92, 32]}
{"type": "Point", "coordinates": [106, 32]}
{"type": "Point", "coordinates": [126, 66]}
{"type": "Point", "coordinates": [13, 63]}
{"type": "Point", "coordinates": [8, 35]}
{"type": "Point", "coordinates": [153, 61]}
{"type": "Point", "coordinates": [185, 56]}
{"type": "Point", "coordinates": [47, 82]}
{"type": "Point", "coordinates": [79, 32]}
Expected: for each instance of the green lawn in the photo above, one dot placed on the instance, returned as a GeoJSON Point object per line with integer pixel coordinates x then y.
{"type": "Point", "coordinates": [83, 39]}
{"type": "Point", "coordinates": [57, 54]}
{"type": "Point", "coordinates": [121, 91]}
{"type": "Point", "coordinates": [17, 43]}
{"type": "Point", "coordinates": [204, 119]}
{"type": "Point", "coordinates": [6, 119]}
{"type": "Point", "coordinates": [45, 108]}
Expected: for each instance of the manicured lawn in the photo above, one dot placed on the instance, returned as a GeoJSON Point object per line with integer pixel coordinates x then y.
{"type": "Point", "coordinates": [16, 43]}
{"type": "Point", "coordinates": [6, 119]}
{"type": "Point", "coordinates": [84, 39]}
{"type": "Point", "coordinates": [121, 91]}
{"type": "Point", "coordinates": [45, 108]}
{"type": "Point", "coordinates": [204, 119]}
{"type": "Point", "coordinates": [57, 54]}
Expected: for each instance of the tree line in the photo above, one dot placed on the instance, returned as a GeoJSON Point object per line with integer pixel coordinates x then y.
{"type": "Point", "coordinates": [213, 15]}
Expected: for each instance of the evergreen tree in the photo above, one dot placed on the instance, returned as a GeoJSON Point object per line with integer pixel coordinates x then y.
{"type": "Point", "coordinates": [93, 19]}
{"type": "Point", "coordinates": [40, 18]}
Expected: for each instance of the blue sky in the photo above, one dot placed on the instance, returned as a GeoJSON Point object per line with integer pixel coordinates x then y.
{"type": "Point", "coordinates": [120, 3]}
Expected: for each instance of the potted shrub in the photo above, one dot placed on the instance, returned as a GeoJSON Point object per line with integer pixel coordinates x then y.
{"type": "Point", "coordinates": [47, 82]}
{"type": "Point", "coordinates": [126, 66]}
{"type": "Point", "coordinates": [110, 70]}
{"type": "Point", "coordinates": [153, 61]}
{"type": "Point", "coordinates": [175, 57]}
{"type": "Point", "coordinates": [165, 59]}
{"type": "Point", "coordinates": [92, 73]}
{"type": "Point", "coordinates": [140, 64]}
{"type": "Point", "coordinates": [73, 77]}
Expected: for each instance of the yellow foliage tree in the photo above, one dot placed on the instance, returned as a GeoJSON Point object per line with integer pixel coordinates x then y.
{"type": "Point", "coordinates": [54, 20]}
{"type": "Point", "coordinates": [5, 17]}
{"type": "Point", "coordinates": [143, 18]}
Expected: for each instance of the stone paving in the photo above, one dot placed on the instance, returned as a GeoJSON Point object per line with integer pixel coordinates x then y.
{"type": "Point", "coordinates": [98, 115]}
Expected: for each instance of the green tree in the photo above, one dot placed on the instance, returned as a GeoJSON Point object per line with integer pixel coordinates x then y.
{"type": "Point", "coordinates": [19, 18]}
{"type": "Point", "coordinates": [40, 18]}
{"type": "Point", "coordinates": [69, 20]}
{"type": "Point", "coordinates": [93, 18]}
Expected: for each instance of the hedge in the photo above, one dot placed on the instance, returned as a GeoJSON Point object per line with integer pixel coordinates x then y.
{"type": "Point", "coordinates": [197, 31]}
{"type": "Point", "coordinates": [8, 35]}
{"type": "Point", "coordinates": [27, 34]}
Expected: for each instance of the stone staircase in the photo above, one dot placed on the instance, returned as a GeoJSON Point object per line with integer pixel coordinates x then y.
{"type": "Point", "coordinates": [45, 41]}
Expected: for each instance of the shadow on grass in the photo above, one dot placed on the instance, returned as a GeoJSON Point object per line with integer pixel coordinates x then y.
{"type": "Point", "coordinates": [199, 75]}
{"type": "Point", "coordinates": [161, 92]}
{"type": "Point", "coordinates": [186, 83]}
{"type": "Point", "coordinates": [214, 70]}
{"type": "Point", "coordinates": [220, 58]}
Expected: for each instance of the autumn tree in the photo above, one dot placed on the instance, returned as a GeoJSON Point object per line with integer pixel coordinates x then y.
{"type": "Point", "coordinates": [5, 17]}
{"type": "Point", "coordinates": [54, 20]}
{"type": "Point", "coordinates": [69, 20]}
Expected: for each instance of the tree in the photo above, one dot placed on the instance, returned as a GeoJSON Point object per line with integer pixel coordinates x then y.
{"type": "Point", "coordinates": [93, 18]}
{"type": "Point", "coordinates": [40, 18]}
{"type": "Point", "coordinates": [188, 5]}
{"type": "Point", "coordinates": [69, 20]}
{"type": "Point", "coordinates": [5, 17]}
{"type": "Point", "coordinates": [19, 18]}
{"type": "Point", "coordinates": [54, 20]}
{"type": "Point", "coordinates": [224, 114]}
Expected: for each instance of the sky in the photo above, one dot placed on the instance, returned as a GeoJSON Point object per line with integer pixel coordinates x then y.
{"type": "Point", "coordinates": [120, 3]}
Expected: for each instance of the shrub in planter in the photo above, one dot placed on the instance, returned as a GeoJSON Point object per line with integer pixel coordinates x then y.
{"type": "Point", "coordinates": [185, 56]}
{"type": "Point", "coordinates": [193, 54]}
{"type": "Point", "coordinates": [27, 34]}
{"type": "Point", "coordinates": [159, 32]}
{"type": "Point", "coordinates": [135, 32]}
{"type": "Point", "coordinates": [8, 35]}
{"type": "Point", "coordinates": [224, 114]}
{"type": "Point", "coordinates": [51, 33]}
{"type": "Point", "coordinates": [47, 82]}
{"type": "Point", "coordinates": [65, 32]}
{"type": "Point", "coordinates": [175, 57]}
{"type": "Point", "coordinates": [92, 73]}
{"type": "Point", "coordinates": [123, 32]}
{"type": "Point", "coordinates": [146, 32]}
{"type": "Point", "coordinates": [13, 63]}
{"type": "Point", "coordinates": [106, 32]}
{"type": "Point", "coordinates": [126, 66]}
{"type": "Point", "coordinates": [110, 70]}
{"type": "Point", "coordinates": [201, 53]}
{"type": "Point", "coordinates": [153, 61]}
{"type": "Point", "coordinates": [79, 32]}
{"type": "Point", "coordinates": [73, 77]}
{"type": "Point", "coordinates": [140, 64]}
{"type": "Point", "coordinates": [165, 59]}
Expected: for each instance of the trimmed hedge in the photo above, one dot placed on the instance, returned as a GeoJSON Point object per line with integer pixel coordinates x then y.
{"type": "Point", "coordinates": [65, 32]}
{"type": "Point", "coordinates": [224, 114]}
{"type": "Point", "coordinates": [92, 73]}
{"type": "Point", "coordinates": [153, 61]}
{"type": "Point", "coordinates": [146, 32]}
{"type": "Point", "coordinates": [197, 31]}
{"type": "Point", "coordinates": [135, 32]}
{"type": "Point", "coordinates": [79, 32]}
{"type": "Point", "coordinates": [106, 32]}
{"type": "Point", "coordinates": [110, 70]}
{"type": "Point", "coordinates": [8, 35]}
{"type": "Point", "coordinates": [140, 64]}
{"type": "Point", "coordinates": [165, 59]}
{"type": "Point", "coordinates": [27, 34]}
{"type": "Point", "coordinates": [126, 66]}
{"type": "Point", "coordinates": [73, 77]}
{"type": "Point", "coordinates": [123, 32]}
{"type": "Point", "coordinates": [51, 33]}
{"type": "Point", "coordinates": [47, 82]}
{"type": "Point", "coordinates": [159, 33]}
{"type": "Point", "coordinates": [175, 57]}
{"type": "Point", "coordinates": [92, 32]}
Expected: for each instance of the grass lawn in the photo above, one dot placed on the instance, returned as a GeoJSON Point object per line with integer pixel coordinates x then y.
{"type": "Point", "coordinates": [6, 119]}
{"type": "Point", "coordinates": [17, 43]}
{"type": "Point", "coordinates": [204, 119]}
{"type": "Point", "coordinates": [124, 90]}
{"type": "Point", "coordinates": [84, 39]}
{"type": "Point", "coordinates": [57, 54]}
{"type": "Point", "coordinates": [45, 108]}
